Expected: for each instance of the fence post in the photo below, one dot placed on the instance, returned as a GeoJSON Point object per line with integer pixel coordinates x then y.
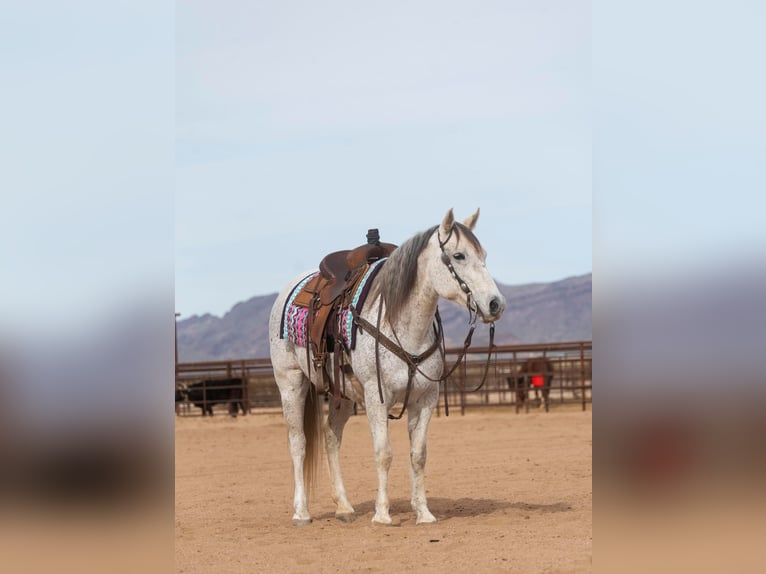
{"type": "Point", "coordinates": [245, 388]}
{"type": "Point", "coordinates": [582, 374]}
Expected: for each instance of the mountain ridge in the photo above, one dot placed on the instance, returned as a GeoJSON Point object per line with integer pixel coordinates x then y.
{"type": "Point", "coordinates": [535, 313]}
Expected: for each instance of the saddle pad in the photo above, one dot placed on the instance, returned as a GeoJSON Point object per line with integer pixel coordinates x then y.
{"type": "Point", "coordinates": [537, 380]}
{"type": "Point", "coordinates": [347, 327]}
{"type": "Point", "coordinates": [294, 316]}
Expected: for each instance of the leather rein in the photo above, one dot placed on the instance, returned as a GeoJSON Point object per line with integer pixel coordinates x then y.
{"type": "Point", "coordinates": [413, 361]}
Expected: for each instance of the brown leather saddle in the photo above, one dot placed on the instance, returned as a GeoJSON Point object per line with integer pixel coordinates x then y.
{"type": "Point", "coordinates": [330, 291]}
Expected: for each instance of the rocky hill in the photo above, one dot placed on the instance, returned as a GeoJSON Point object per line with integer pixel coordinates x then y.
{"type": "Point", "coordinates": [535, 313]}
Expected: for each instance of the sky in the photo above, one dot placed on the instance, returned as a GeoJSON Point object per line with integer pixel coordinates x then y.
{"type": "Point", "coordinates": [678, 140]}
{"type": "Point", "coordinates": [213, 151]}
{"type": "Point", "coordinates": [87, 148]}
{"type": "Point", "coordinates": [299, 125]}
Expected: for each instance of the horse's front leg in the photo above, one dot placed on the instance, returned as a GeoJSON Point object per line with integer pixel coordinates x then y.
{"type": "Point", "coordinates": [418, 417]}
{"type": "Point", "coordinates": [377, 415]}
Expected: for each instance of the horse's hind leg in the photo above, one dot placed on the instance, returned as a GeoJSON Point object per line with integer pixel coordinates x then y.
{"type": "Point", "coordinates": [293, 387]}
{"type": "Point", "coordinates": [418, 418]}
{"type": "Point", "coordinates": [333, 437]}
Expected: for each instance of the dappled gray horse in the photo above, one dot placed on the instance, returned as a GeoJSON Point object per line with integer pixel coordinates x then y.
{"type": "Point", "coordinates": [392, 360]}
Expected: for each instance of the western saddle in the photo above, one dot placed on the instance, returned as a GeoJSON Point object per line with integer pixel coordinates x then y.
{"type": "Point", "coordinates": [330, 291]}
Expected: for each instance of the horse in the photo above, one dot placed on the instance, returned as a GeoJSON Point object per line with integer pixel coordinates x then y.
{"type": "Point", "coordinates": [535, 373]}
{"type": "Point", "coordinates": [392, 361]}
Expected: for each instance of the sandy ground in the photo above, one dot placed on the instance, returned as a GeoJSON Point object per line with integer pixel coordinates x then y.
{"type": "Point", "coordinates": [512, 493]}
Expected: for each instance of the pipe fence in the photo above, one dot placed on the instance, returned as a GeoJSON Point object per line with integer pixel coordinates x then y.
{"type": "Point", "coordinates": [571, 366]}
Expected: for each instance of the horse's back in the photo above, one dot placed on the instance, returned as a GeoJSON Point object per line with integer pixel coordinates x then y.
{"type": "Point", "coordinates": [538, 365]}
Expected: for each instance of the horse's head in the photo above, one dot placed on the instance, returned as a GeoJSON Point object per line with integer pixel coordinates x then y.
{"type": "Point", "coordinates": [459, 271]}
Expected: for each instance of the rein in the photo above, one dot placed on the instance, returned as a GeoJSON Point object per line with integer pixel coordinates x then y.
{"type": "Point", "coordinates": [413, 361]}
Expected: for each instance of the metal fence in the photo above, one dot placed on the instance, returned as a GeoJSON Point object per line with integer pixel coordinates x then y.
{"type": "Point", "coordinates": [572, 383]}
{"type": "Point", "coordinates": [259, 389]}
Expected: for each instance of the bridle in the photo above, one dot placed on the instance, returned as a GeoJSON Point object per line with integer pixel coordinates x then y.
{"type": "Point", "coordinates": [413, 361]}
{"type": "Point", "coordinates": [473, 308]}
{"type": "Point", "coordinates": [473, 312]}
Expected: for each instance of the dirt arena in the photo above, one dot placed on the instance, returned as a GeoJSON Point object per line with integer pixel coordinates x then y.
{"type": "Point", "coordinates": [512, 493]}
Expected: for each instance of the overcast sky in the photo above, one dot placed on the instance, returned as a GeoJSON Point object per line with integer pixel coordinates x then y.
{"type": "Point", "coordinates": [301, 124]}
{"type": "Point", "coordinates": [218, 149]}
{"type": "Point", "coordinates": [87, 161]}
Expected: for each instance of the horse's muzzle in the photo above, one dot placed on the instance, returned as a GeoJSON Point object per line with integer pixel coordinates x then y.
{"type": "Point", "coordinates": [494, 310]}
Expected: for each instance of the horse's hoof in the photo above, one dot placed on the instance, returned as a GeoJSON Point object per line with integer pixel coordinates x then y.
{"type": "Point", "coordinates": [430, 519]}
{"type": "Point", "coordinates": [301, 521]}
{"type": "Point", "coordinates": [347, 517]}
{"type": "Point", "coordinates": [382, 520]}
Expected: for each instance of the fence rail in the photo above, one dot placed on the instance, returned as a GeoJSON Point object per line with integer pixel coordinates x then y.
{"type": "Point", "coordinates": [571, 361]}
{"type": "Point", "coordinates": [572, 371]}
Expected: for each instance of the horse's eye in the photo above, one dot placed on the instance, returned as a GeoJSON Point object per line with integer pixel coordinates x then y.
{"type": "Point", "coordinates": [459, 256]}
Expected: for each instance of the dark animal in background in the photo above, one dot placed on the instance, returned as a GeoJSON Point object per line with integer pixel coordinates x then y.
{"type": "Point", "coordinates": [205, 394]}
{"type": "Point", "coordinates": [181, 396]}
{"type": "Point", "coordinates": [534, 374]}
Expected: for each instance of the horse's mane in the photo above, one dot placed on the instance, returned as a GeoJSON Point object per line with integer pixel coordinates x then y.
{"type": "Point", "coordinates": [397, 277]}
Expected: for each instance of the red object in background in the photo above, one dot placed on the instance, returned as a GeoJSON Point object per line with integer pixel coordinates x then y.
{"type": "Point", "coordinates": [537, 380]}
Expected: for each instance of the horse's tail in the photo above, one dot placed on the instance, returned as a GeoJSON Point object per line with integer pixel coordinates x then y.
{"type": "Point", "coordinates": [312, 428]}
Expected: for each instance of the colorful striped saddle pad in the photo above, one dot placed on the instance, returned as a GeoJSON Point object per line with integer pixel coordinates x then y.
{"type": "Point", "coordinates": [294, 325]}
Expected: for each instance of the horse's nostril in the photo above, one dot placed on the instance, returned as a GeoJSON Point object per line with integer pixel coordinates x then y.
{"type": "Point", "coordinates": [494, 306]}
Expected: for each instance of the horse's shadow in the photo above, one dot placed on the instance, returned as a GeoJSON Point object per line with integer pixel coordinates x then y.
{"type": "Point", "coordinates": [446, 508]}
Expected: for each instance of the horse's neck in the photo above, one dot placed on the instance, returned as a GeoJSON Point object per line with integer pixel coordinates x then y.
{"type": "Point", "coordinates": [414, 325]}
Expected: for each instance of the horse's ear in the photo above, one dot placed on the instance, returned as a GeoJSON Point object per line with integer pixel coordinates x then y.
{"type": "Point", "coordinates": [470, 223]}
{"type": "Point", "coordinates": [446, 227]}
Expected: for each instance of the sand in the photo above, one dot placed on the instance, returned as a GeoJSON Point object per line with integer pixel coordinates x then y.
{"type": "Point", "coordinates": [511, 492]}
